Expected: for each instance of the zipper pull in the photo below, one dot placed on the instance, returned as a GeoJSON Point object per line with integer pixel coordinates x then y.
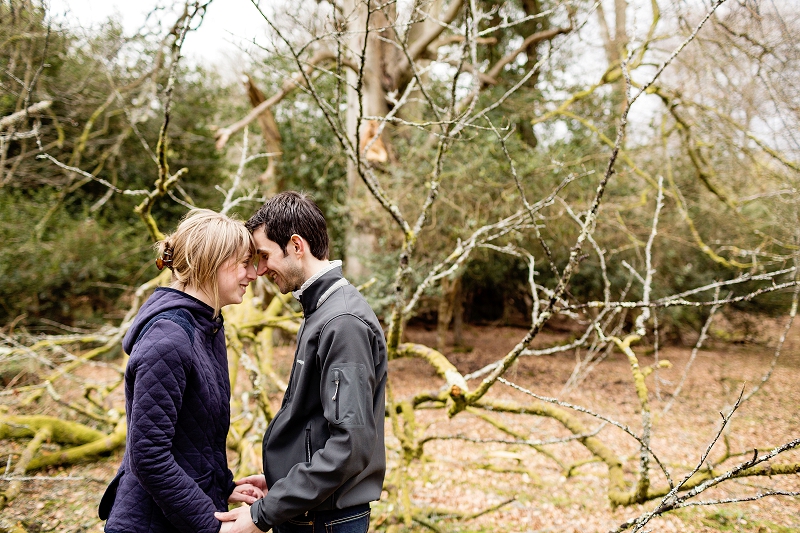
{"type": "Point", "coordinates": [335, 380]}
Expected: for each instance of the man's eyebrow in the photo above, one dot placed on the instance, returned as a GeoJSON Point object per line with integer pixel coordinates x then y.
{"type": "Point", "coordinates": [261, 251]}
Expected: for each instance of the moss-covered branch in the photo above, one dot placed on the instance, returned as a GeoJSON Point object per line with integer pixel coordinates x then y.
{"type": "Point", "coordinates": [61, 431]}
{"type": "Point", "coordinates": [643, 482]}
{"type": "Point", "coordinates": [517, 435]}
{"type": "Point", "coordinates": [42, 434]}
{"type": "Point", "coordinates": [456, 384]}
{"type": "Point", "coordinates": [103, 445]}
{"type": "Point", "coordinates": [617, 487]}
{"type": "Point", "coordinates": [90, 442]}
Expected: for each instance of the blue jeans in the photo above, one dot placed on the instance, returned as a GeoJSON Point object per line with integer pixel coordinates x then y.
{"type": "Point", "coordinates": [350, 520]}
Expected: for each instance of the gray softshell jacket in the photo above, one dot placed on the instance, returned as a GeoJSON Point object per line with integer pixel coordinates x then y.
{"type": "Point", "coordinates": [325, 447]}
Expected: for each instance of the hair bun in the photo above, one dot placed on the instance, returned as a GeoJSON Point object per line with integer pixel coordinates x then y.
{"type": "Point", "coordinates": [166, 258]}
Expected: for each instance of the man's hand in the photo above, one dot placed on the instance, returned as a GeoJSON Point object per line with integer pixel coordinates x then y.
{"type": "Point", "coordinates": [245, 493]}
{"type": "Point", "coordinates": [257, 480]}
{"type": "Point", "coordinates": [237, 521]}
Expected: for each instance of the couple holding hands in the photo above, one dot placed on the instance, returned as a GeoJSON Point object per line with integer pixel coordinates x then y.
{"type": "Point", "coordinates": [323, 452]}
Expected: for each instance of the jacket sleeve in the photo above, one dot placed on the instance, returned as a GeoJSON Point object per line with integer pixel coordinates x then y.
{"type": "Point", "coordinates": [230, 484]}
{"type": "Point", "coordinates": [161, 371]}
{"type": "Point", "coordinates": [347, 386]}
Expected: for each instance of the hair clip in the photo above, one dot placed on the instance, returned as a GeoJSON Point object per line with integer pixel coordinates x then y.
{"type": "Point", "coordinates": [165, 260]}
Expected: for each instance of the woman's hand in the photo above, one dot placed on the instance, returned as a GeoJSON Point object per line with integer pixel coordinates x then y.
{"type": "Point", "coordinates": [245, 493]}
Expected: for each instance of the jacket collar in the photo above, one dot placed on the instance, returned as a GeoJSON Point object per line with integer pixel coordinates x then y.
{"type": "Point", "coordinates": [318, 287]}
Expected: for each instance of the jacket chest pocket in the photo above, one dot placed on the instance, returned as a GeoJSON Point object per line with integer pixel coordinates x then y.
{"type": "Point", "coordinates": [346, 399]}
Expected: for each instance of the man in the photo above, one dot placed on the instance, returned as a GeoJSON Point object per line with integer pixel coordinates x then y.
{"type": "Point", "coordinates": [324, 456]}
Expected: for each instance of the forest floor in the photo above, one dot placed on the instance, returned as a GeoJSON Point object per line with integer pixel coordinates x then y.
{"type": "Point", "coordinates": [456, 480]}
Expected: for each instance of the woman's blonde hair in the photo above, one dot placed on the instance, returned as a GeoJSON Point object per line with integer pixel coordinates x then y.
{"type": "Point", "coordinates": [202, 243]}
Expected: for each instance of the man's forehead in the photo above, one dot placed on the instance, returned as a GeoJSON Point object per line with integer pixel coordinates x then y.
{"type": "Point", "coordinates": [263, 243]}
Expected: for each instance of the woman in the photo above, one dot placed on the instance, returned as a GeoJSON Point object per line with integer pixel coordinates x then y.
{"type": "Point", "coordinates": [174, 473]}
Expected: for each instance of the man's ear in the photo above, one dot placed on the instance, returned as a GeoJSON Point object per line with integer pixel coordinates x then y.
{"type": "Point", "coordinates": [296, 245]}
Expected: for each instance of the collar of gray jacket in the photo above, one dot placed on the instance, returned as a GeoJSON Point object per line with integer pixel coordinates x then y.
{"type": "Point", "coordinates": [341, 283]}
{"type": "Point", "coordinates": [310, 281]}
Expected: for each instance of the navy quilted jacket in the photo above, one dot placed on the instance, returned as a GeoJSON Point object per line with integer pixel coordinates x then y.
{"type": "Point", "coordinates": [174, 474]}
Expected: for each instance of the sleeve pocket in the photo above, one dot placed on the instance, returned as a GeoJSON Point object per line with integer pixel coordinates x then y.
{"type": "Point", "coordinates": [347, 398]}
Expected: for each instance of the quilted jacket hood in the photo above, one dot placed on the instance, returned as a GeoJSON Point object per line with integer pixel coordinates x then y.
{"type": "Point", "coordinates": [167, 299]}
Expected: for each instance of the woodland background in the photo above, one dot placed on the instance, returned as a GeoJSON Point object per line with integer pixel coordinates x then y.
{"type": "Point", "coordinates": [578, 221]}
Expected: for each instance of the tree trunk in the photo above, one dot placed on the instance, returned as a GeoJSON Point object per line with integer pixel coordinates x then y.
{"type": "Point", "coordinates": [458, 315]}
{"type": "Point", "coordinates": [615, 44]}
{"type": "Point", "coordinates": [449, 308]}
{"type": "Point", "coordinates": [270, 179]}
{"type": "Point", "coordinates": [368, 99]}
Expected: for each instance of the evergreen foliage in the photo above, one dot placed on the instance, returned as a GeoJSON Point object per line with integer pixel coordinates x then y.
{"type": "Point", "coordinates": [73, 250]}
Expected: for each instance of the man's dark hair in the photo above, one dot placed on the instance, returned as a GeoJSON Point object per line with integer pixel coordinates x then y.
{"type": "Point", "coordinates": [288, 213]}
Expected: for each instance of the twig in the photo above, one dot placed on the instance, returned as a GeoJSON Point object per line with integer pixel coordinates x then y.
{"type": "Point", "coordinates": [700, 340]}
{"type": "Point", "coordinates": [580, 409]}
{"type": "Point", "coordinates": [781, 341]}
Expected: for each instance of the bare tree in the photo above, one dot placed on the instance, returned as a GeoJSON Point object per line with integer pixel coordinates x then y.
{"type": "Point", "coordinates": [443, 76]}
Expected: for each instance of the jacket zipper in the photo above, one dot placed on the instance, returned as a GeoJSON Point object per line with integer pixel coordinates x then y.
{"type": "Point", "coordinates": [336, 380]}
{"type": "Point", "coordinates": [308, 445]}
{"type": "Point", "coordinates": [288, 395]}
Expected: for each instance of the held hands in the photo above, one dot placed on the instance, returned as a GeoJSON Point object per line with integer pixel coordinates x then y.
{"type": "Point", "coordinates": [245, 493]}
{"type": "Point", "coordinates": [249, 489]}
{"type": "Point", "coordinates": [237, 521]}
{"type": "Point", "coordinates": [257, 480]}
